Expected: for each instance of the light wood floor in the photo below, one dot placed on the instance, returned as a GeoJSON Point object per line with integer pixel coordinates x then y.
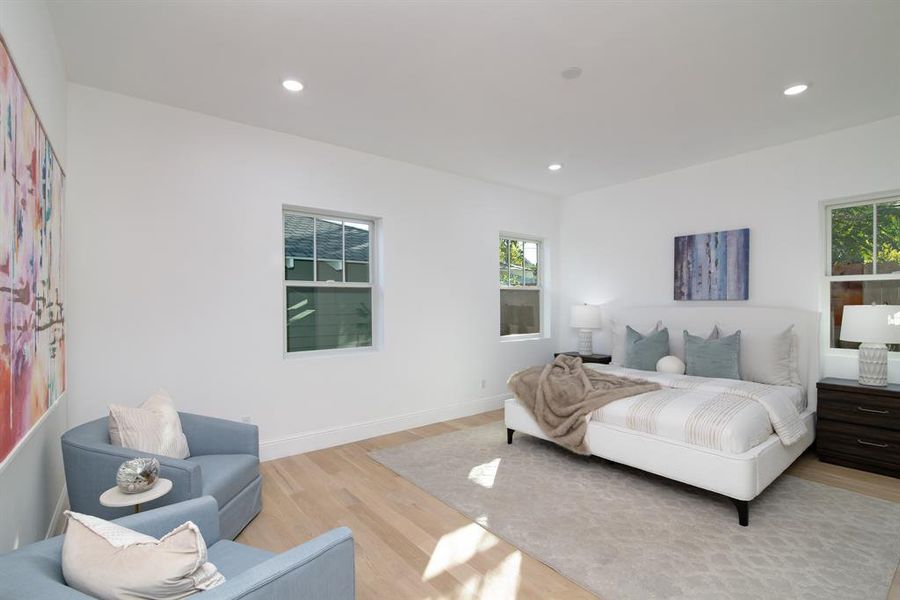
{"type": "Point", "coordinates": [411, 546]}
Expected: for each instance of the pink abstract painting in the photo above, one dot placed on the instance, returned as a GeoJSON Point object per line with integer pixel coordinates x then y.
{"type": "Point", "coordinates": [32, 324]}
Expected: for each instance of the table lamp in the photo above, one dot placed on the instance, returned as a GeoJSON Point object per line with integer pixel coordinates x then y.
{"type": "Point", "coordinates": [585, 318]}
{"type": "Point", "coordinates": [874, 325]}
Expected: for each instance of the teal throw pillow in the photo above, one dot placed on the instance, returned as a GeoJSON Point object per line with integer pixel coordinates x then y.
{"type": "Point", "coordinates": [716, 356]}
{"type": "Point", "coordinates": [644, 351]}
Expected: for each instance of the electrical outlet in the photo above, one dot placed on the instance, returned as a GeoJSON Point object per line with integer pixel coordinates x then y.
{"type": "Point", "coordinates": [483, 383]}
{"type": "Point", "coordinates": [246, 420]}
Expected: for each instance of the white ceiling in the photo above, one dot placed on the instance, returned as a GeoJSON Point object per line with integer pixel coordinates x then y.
{"type": "Point", "coordinates": [475, 87]}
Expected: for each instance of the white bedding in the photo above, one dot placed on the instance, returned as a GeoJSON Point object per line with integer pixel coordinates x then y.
{"type": "Point", "coordinates": [723, 414]}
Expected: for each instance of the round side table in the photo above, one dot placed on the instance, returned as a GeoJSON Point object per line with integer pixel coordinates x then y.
{"type": "Point", "coordinates": [116, 498]}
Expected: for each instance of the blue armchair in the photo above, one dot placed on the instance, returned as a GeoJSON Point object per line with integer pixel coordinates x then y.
{"type": "Point", "coordinates": [321, 569]}
{"type": "Point", "coordinates": [224, 464]}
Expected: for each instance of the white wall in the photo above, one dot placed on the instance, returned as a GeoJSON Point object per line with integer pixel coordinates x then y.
{"type": "Point", "coordinates": [31, 478]}
{"type": "Point", "coordinates": [175, 270]}
{"type": "Point", "coordinates": [617, 242]}
{"type": "Point", "coordinates": [31, 41]}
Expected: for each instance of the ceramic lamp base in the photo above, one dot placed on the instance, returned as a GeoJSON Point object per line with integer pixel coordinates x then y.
{"type": "Point", "coordinates": [873, 364]}
{"type": "Point", "coordinates": [585, 342]}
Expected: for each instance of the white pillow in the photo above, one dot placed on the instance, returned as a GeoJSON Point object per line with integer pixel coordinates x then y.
{"type": "Point", "coordinates": [771, 358]}
{"type": "Point", "coordinates": [795, 360]}
{"type": "Point", "coordinates": [618, 339]}
{"type": "Point", "coordinates": [152, 427]}
{"type": "Point", "coordinates": [107, 561]}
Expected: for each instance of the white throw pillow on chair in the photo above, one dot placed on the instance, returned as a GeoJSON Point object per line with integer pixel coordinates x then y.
{"type": "Point", "coordinates": [107, 561]}
{"type": "Point", "coordinates": [152, 427]}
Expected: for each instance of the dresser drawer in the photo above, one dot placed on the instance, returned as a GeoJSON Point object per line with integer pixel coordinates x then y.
{"type": "Point", "coordinates": [876, 411]}
{"type": "Point", "coordinates": [871, 444]}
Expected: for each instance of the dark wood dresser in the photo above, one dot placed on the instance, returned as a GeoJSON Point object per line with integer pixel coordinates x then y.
{"type": "Point", "coordinates": [859, 426]}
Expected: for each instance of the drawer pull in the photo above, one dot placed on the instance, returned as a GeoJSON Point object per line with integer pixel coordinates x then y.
{"type": "Point", "coordinates": [865, 443]}
{"type": "Point", "coordinates": [873, 410]}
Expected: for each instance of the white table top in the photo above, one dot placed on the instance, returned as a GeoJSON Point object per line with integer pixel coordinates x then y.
{"type": "Point", "coordinates": [116, 498]}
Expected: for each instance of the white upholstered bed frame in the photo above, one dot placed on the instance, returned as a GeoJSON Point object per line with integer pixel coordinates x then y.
{"type": "Point", "coordinates": [741, 477]}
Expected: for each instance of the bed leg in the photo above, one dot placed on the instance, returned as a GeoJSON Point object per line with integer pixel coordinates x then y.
{"type": "Point", "coordinates": [509, 434]}
{"type": "Point", "coordinates": [743, 508]}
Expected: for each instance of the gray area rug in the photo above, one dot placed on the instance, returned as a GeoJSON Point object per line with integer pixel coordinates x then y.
{"type": "Point", "coordinates": [623, 534]}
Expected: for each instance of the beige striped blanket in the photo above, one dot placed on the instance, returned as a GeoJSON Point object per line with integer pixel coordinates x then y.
{"type": "Point", "coordinates": [563, 394]}
{"type": "Point", "coordinates": [722, 414]}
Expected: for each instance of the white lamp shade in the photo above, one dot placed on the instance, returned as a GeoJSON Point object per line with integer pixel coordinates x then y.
{"type": "Point", "coordinates": [871, 324]}
{"type": "Point", "coordinates": [586, 316]}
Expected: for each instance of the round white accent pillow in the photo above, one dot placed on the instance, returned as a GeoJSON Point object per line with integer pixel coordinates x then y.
{"type": "Point", "coordinates": [670, 364]}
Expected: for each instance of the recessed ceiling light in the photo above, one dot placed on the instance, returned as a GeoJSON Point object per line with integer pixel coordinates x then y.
{"type": "Point", "coordinates": [797, 88]}
{"type": "Point", "coordinates": [292, 85]}
{"type": "Point", "coordinates": [554, 166]}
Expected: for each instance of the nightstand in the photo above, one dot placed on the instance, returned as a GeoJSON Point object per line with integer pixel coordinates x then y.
{"type": "Point", "coordinates": [858, 426]}
{"type": "Point", "coordinates": [602, 359]}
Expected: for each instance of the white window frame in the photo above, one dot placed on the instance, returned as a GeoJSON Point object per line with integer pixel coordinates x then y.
{"type": "Point", "coordinates": [873, 199]}
{"type": "Point", "coordinates": [541, 268]}
{"type": "Point", "coordinates": [372, 284]}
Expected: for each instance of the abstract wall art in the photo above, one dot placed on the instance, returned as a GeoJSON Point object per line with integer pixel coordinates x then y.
{"type": "Point", "coordinates": [32, 322]}
{"type": "Point", "coordinates": [713, 266]}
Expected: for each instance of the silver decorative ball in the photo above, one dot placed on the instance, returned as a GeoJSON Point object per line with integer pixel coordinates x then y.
{"type": "Point", "coordinates": [137, 475]}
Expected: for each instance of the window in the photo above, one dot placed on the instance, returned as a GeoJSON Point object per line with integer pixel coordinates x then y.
{"type": "Point", "coordinates": [520, 286]}
{"type": "Point", "coordinates": [863, 258]}
{"type": "Point", "coordinates": [327, 281]}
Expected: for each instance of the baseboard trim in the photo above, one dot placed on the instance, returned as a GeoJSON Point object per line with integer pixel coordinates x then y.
{"type": "Point", "coordinates": [345, 434]}
{"type": "Point", "coordinates": [56, 521]}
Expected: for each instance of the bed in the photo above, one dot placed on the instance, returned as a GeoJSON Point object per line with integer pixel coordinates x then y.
{"type": "Point", "coordinates": [652, 431]}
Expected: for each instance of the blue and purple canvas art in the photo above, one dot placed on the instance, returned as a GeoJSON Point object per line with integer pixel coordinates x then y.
{"type": "Point", "coordinates": [713, 266]}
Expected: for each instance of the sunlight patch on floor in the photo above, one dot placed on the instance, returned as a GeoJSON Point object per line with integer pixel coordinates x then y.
{"type": "Point", "coordinates": [503, 580]}
{"type": "Point", "coordinates": [484, 474]}
{"type": "Point", "coordinates": [500, 583]}
{"type": "Point", "coordinates": [457, 547]}
{"type": "Point", "coordinates": [468, 590]}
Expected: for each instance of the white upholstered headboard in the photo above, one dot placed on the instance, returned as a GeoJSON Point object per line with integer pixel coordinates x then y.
{"type": "Point", "coordinates": [751, 320]}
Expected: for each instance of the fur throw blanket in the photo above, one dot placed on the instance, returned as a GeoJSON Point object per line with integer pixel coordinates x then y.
{"type": "Point", "coordinates": [562, 395]}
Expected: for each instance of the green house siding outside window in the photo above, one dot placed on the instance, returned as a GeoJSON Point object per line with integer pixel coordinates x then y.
{"type": "Point", "coordinates": [328, 283]}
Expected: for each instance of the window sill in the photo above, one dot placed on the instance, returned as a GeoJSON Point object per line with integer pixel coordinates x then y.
{"type": "Point", "coordinates": [522, 337]}
{"type": "Point", "coordinates": [330, 353]}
